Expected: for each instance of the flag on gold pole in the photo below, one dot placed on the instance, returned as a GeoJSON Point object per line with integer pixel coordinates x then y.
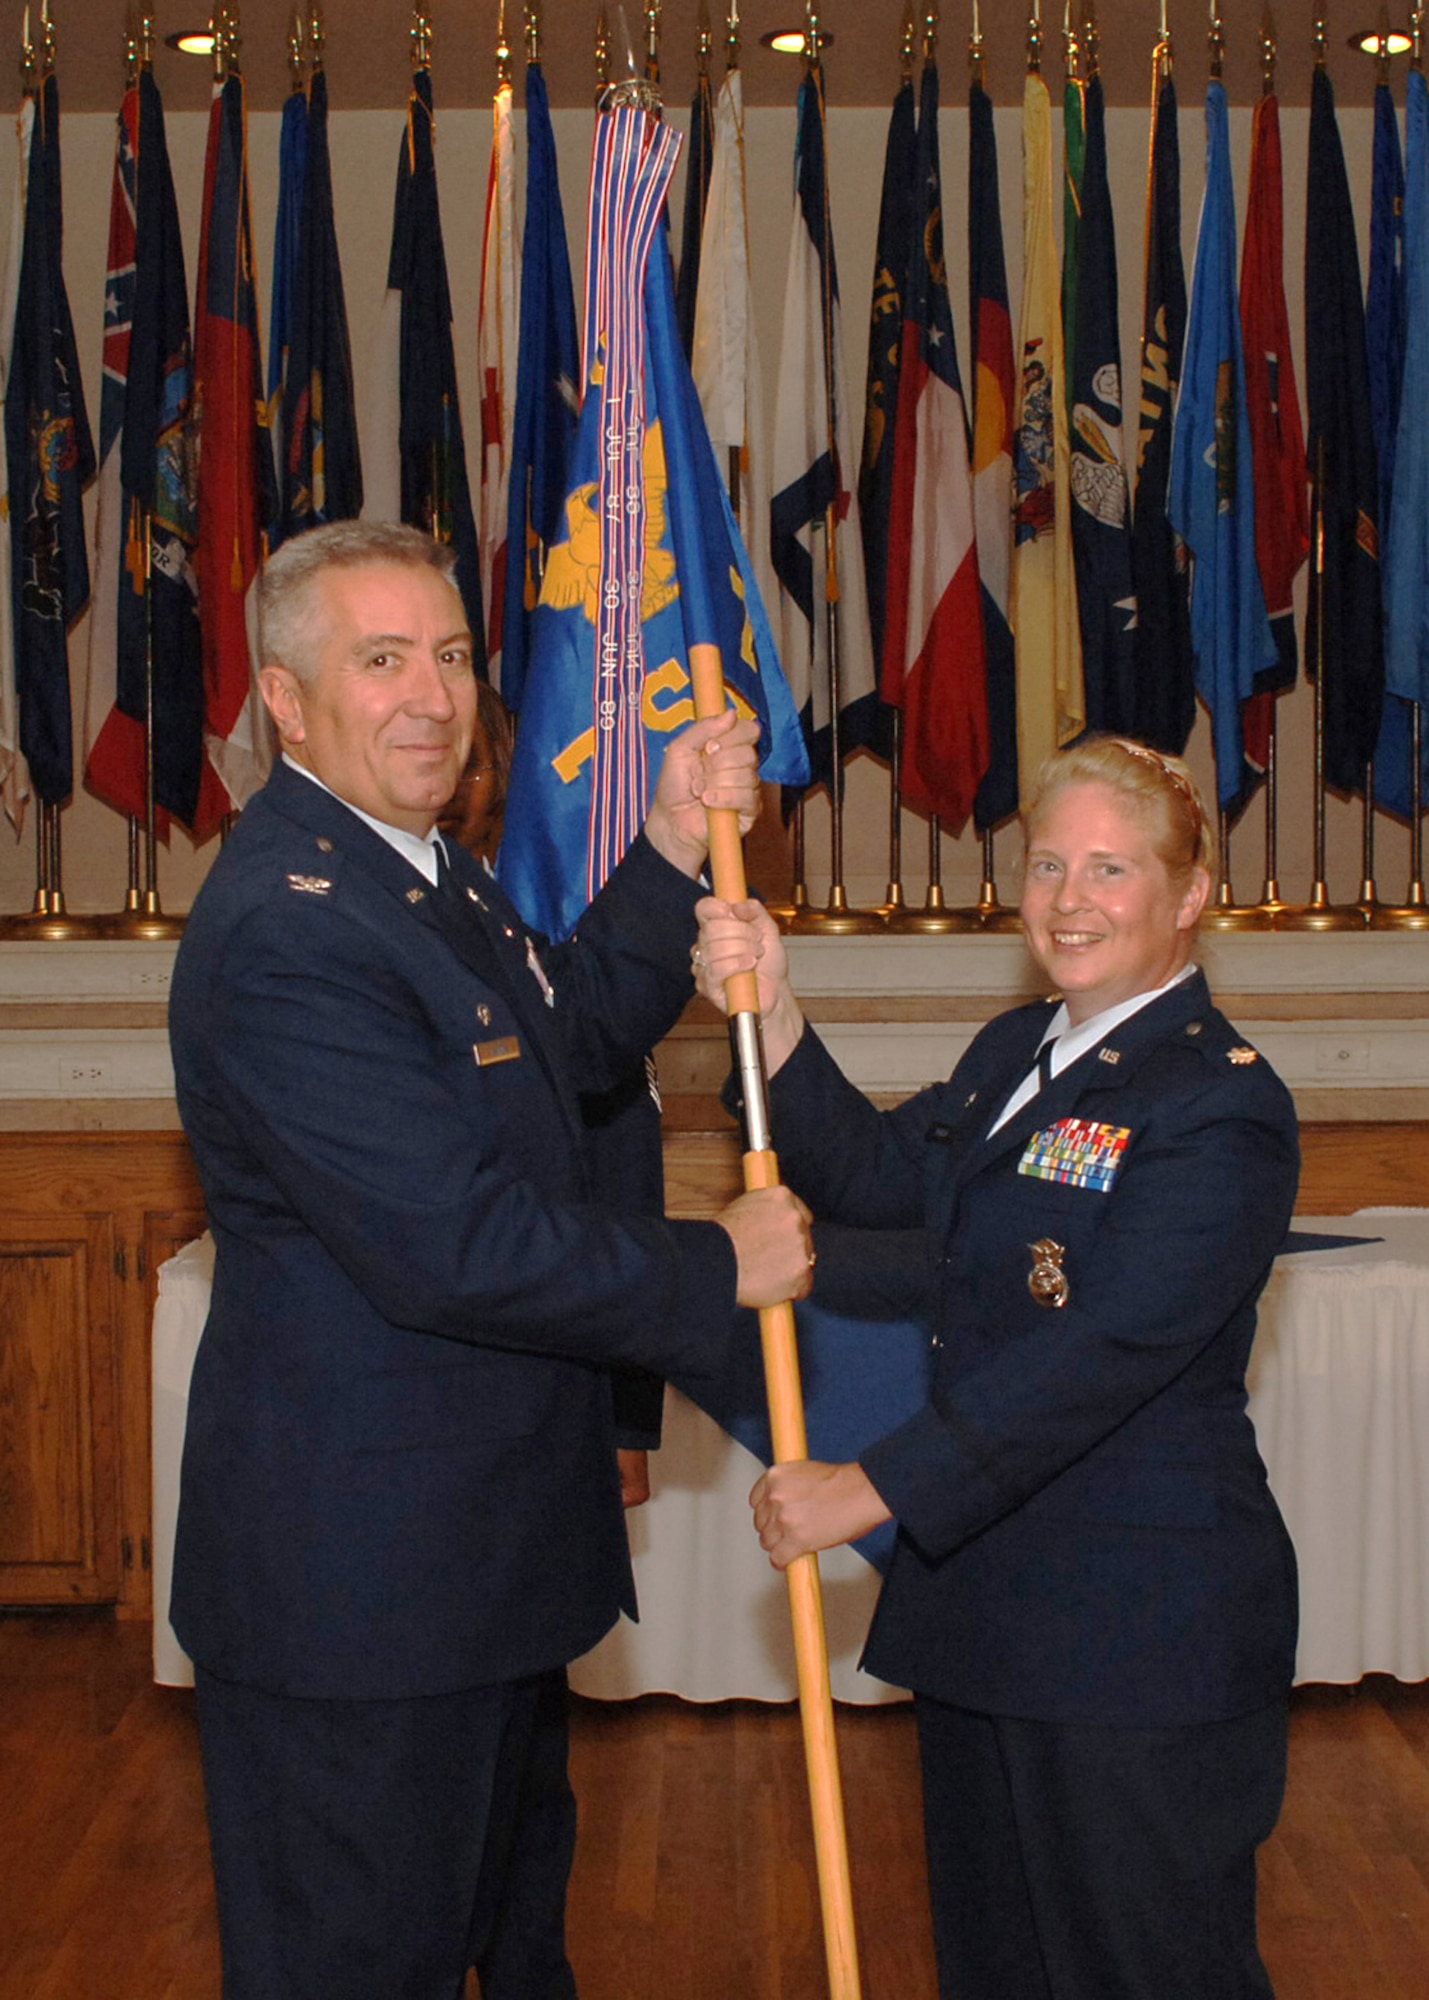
{"type": "Point", "coordinates": [1051, 706]}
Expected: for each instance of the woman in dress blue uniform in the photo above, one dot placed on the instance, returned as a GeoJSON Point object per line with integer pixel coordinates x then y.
{"type": "Point", "coordinates": [1092, 1595]}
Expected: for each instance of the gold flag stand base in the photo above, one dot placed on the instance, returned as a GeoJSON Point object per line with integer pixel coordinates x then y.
{"type": "Point", "coordinates": [934, 919]}
{"type": "Point", "coordinates": [993, 915]}
{"type": "Point", "coordinates": [836, 919]}
{"type": "Point", "coordinates": [142, 926]}
{"type": "Point", "coordinates": [1320, 914]}
{"type": "Point", "coordinates": [1412, 915]}
{"type": "Point", "coordinates": [44, 925]}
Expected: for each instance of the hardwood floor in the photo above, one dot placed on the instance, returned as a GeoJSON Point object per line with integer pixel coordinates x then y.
{"type": "Point", "coordinates": [695, 1876]}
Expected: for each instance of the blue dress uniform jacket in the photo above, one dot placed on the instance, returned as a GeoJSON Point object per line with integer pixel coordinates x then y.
{"type": "Point", "coordinates": [400, 1476]}
{"type": "Point", "coordinates": [1086, 1533]}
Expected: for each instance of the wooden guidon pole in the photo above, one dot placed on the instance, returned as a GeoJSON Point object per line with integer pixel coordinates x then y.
{"type": "Point", "coordinates": [786, 1407]}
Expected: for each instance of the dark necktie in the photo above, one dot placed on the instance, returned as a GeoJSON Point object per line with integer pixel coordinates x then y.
{"type": "Point", "coordinates": [1044, 1063]}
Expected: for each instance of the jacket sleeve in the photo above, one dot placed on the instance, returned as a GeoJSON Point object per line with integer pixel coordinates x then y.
{"type": "Point", "coordinates": [1193, 1225]}
{"type": "Point", "coordinates": [333, 1076]}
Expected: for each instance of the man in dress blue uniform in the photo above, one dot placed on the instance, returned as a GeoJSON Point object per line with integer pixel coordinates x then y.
{"type": "Point", "coordinates": [401, 1514]}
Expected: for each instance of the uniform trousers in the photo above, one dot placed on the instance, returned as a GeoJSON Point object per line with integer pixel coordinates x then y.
{"type": "Point", "coordinates": [1074, 1862]}
{"type": "Point", "coordinates": [374, 1850]}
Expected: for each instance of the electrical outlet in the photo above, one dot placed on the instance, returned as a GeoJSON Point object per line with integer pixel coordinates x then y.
{"type": "Point", "coordinates": [82, 1073]}
{"type": "Point", "coordinates": [1343, 1055]}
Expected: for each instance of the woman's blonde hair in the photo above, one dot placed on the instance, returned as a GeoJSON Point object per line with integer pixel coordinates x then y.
{"type": "Point", "coordinates": [1156, 789]}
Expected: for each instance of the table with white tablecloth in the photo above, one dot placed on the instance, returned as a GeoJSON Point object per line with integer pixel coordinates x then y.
{"type": "Point", "coordinates": [1339, 1393]}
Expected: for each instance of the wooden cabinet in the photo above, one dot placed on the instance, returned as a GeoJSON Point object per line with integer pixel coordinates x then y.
{"type": "Point", "coordinates": [85, 1221]}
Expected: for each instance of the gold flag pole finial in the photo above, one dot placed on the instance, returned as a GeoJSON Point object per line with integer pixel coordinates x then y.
{"type": "Point", "coordinates": [908, 40]}
{"type": "Point", "coordinates": [421, 36]}
{"type": "Point", "coordinates": [317, 36]}
{"type": "Point", "coordinates": [48, 45]}
{"type": "Point", "coordinates": [1318, 37]}
{"type": "Point", "coordinates": [503, 50]}
{"type": "Point", "coordinates": [602, 52]}
{"type": "Point", "coordinates": [1163, 58]}
{"type": "Point", "coordinates": [1034, 39]}
{"type": "Point", "coordinates": [220, 42]}
{"type": "Point", "coordinates": [27, 52]}
{"type": "Point", "coordinates": [1416, 35]}
{"type": "Point", "coordinates": [704, 39]}
{"type": "Point", "coordinates": [533, 32]}
{"type": "Point", "coordinates": [1071, 47]}
{"type": "Point", "coordinates": [131, 43]}
{"type": "Point", "coordinates": [1217, 42]}
{"type": "Point", "coordinates": [296, 32]}
{"type": "Point", "coordinates": [1091, 37]}
{"type": "Point", "coordinates": [652, 41]}
{"type": "Point", "coordinates": [813, 40]}
{"type": "Point", "coordinates": [731, 37]}
{"type": "Point", "coordinates": [930, 32]}
{"type": "Point", "coordinates": [1267, 53]}
{"type": "Point", "coordinates": [977, 50]}
{"type": "Point", "coordinates": [1384, 44]}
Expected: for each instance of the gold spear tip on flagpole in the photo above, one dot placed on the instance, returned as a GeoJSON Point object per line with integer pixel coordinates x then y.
{"type": "Point", "coordinates": [1071, 47]}
{"type": "Point", "coordinates": [813, 39]}
{"type": "Point", "coordinates": [1216, 42]}
{"type": "Point", "coordinates": [1091, 37]}
{"type": "Point", "coordinates": [652, 41]}
{"type": "Point", "coordinates": [908, 40]}
{"type": "Point", "coordinates": [1318, 38]}
{"type": "Point", "coordinates": [731, 38]}
{"type": "Point", "coordinates": [296, 34]}
{"type": "Point", "coordinates": [131, 42]}
{"type": "Point", "coordinates": [1034, 39]}
{"type": "Point", "coordinates": [1416, 31]}
{"type": "Point", "coordinates": [421, 37]}
{"type": "Point", "coordinates": [1267, 53]}
{"type": "Point", "coordinates": [930, 33]}
{"type": "Point", "coordinates": [49, 48]}
{"type": "Point", "coordinates": [1384, 44]}
{"type": "Point", "coordinates": [977, 54]}
{"type": "Point", "coordinates": [602, 52]}
{"type": "Point", "coordinates": [317, 36]}
{"type": "Point", "coordinates": [503, 50]}
{"type": "Point", "coordinates": [704, 39]}
{"type": "Point", "coordinates": [533, 32]}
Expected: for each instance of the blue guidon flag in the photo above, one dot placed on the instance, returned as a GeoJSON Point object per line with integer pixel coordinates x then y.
{"type": "Point", "coordinates": [647, 561]}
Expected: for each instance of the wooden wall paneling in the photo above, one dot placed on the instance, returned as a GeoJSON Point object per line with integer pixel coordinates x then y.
{"type": "Point", "coordinates": [138, 1195]}
{"type": "Point", "coordinates": [59, 1472]}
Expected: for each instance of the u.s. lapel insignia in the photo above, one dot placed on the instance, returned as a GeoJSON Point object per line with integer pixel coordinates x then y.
{"type": "Point", "coordinates": [1047, 1281]}
{"type": "Point", "coordinates": [1108, 1055]}
{"type": "Point", "coordinates": [483, 1014]}
{"type": "Point", "coordinates": [1242, 1055]}
{"type": "Point", "coordinates": [309, 885]}
{"type": "Point", "coordinates": [415, 896]}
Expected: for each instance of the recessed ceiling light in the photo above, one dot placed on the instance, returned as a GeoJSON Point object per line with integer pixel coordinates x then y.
{"type": "Point", "coordinates": [790, 41]}
{"type": "Point", "coordinates": [191, 42]}
{"type": "Point", "coordinates": [1368, 39]}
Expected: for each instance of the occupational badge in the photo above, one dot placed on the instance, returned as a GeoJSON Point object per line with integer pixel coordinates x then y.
{"type": "Point", "coordinates": [1047, 1281]}
{"type": "Point", "coordinates": [1078, 1152]}
{"type": "Point", "coordinates": [309, 885]}
{"type": "Point", "coordinates": [1242, 1055]}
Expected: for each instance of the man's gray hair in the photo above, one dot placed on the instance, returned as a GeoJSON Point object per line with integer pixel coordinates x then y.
{"type": "Point", "coordinates": [285, 611]}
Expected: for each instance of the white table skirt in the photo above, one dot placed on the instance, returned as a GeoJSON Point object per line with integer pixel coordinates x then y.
{"type": "Point", "coordinates": [1339, 1382]}
{"type": "Point", "coordinates": [1339, 1393]}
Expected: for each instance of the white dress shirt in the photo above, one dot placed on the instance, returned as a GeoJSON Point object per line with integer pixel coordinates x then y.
{"type": "Point", "coordinates": [1073, 1042]}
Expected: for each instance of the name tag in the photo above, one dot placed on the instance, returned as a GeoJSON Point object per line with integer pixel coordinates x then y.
{"type": "Point", "coordinates": [1077, 1152]}
{"type": "Point", "coordinates": [506, 1048]}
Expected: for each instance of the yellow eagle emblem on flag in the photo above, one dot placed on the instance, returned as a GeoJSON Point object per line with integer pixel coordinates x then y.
{"type": "Point", "coordinates": [573, 565]}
